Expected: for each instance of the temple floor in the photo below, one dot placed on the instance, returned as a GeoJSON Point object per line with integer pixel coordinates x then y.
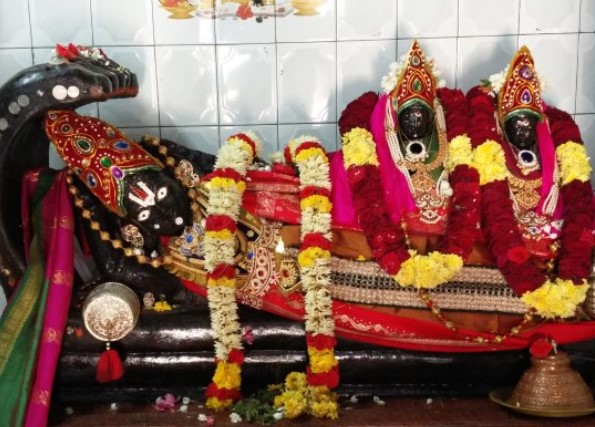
{"type": "Point", "coordinates": [401, 412]}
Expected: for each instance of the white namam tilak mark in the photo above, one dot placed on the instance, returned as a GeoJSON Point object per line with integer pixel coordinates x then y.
{"type": "Point", "coordinates": [59, 92]}
{"type": "Point", "coordinates": [143, 197]}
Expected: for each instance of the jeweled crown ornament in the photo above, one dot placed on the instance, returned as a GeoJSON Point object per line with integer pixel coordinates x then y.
{"type": "Point", "coordinates": [521, 91]}
{"type": "Point", "coordinates": [416, 82]}
{"type": "Point", "coordinates": [98, 153]}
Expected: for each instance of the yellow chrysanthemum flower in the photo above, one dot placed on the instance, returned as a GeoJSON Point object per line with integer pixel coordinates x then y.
{"type": "Point", "coordinates": [296, 381]}
{"type": "Point", "coordinates": [308, 257]}
{"type": "Point", "coordinates": [223, 281]}
{"type": "Point", "coordinates": [304, 155]}
{"type": "Point", "coordinates": [162, 306]}
{"type": "Point", "coordinates": [574, 162]}
{"type": "Point", "coordinates": [428, 271]}
{"type": "Point", "coordinates": [359, 148]}
{"type": "Point", "coordinates": [556, 299]}
{"type": "Point", "coordinates": [322, 360]}
{"type": "Point", "coordinates": [490, 162]}
{"type": "Point", "coordinates": [219, 182]}
{"type": "Point", "coordinates": [325, 410]}
{"type": "Point", "coordinates": [227, 375]}
{"type": "Point", "coordinates": [459, 152]}
{"type": "Point", "coordinates": [317, 201]}
{"type": "Point", "coordinates": [218, 405]}
{"type": "Point", "coordinates": [220, 234]}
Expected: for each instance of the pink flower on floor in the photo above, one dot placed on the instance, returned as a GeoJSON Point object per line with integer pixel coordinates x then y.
{"type": "Point", "coordinates": [165, 403]}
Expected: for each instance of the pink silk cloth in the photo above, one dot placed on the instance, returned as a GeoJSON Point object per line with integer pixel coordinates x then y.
{"type": "Point", "coordinates": [397, 196]}
{"type": "Point", "coordinates": [58, 236]}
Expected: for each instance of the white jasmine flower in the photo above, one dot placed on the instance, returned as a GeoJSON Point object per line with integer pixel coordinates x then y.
{"type": "Point", "coordinates": [184, 408]}
{"type": "Point", "coordinates": [277, 157]}
{"type": "Point", "coordinates": [202, 418]}
{"type": "Point", "coordinates": [235, 418]}
{"type": "Point", "coordinates": [497, 81]}
{"type": "Point", "coordinates": [113, 407]}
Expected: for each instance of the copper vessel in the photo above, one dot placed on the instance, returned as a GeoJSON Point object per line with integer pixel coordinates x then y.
{"type": "Point", "coordinates": [551, 383]}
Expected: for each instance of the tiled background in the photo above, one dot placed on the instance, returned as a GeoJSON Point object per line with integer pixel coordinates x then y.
{"type": "Point", "coordinates": [203, 79]}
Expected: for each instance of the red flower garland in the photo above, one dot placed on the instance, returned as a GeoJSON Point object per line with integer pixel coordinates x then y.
{"type": "Point", "coordinates": [388, 243]}
{"type": "Point", "coordinates": [503, 238]}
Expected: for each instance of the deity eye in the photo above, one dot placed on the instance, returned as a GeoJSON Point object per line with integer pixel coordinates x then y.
{"type": "Point", "coordinates": [161, 193]}
{"type": "Point", "coordinates": [144, 215]}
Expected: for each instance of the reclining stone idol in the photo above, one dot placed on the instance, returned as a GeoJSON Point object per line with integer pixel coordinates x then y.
{"type": "Point", "coordinates": [447, 225]}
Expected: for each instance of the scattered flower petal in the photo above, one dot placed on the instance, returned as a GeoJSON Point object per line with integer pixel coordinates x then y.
{"type": "Point", "coordinates": [354, 399]}
{"type": "Point", "coordinates": [113, 407]}
{"type": "Point", "coordinates": [235, 418]}
{"type": "Point", "coordinates": [202, 417]}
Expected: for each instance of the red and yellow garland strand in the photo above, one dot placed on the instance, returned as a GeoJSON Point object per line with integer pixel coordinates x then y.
{"type": "Point", "coordinates": [226, 187]}
{"type": "Point", "coordinates": [311, 393]}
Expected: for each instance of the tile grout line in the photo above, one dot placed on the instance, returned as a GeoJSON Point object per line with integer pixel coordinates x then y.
{"type": "Point", "coordinates": [217, 99]}
{"type": "Point", "coordinates": [279, 144]}
{"type": "Point", "coordinates": [578, 55]}
{"type": "Point", "coordinates": [156, 69]}
{"type": "Point", "coordinates": [30, 32]}
{"type": "Point", "coordinates": [518, 30]}
{"type": "Point", "coordinates": [93, 43]}
{"type": "Point", "coordinates": [336, 144]}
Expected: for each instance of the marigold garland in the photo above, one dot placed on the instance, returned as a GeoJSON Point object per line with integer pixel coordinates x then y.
{"type": "Point", "coordinates": [311, 392]}
{"type": "Point", "coordinates": [226, 187]}
{"type": "Point", "coordinates": [551, 298]}
{"type": "Point", "coordinates": [389, 243]}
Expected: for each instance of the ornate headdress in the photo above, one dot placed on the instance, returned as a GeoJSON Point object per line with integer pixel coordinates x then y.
{"type": "Point", "coordinates": [98, 153]}
{"type": "Point", "coordinates": [521, 90]}
{"type": "Point", "coordinates": [412, 80]}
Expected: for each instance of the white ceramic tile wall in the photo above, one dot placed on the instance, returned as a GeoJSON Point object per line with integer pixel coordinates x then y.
{"type": "Point", "coordinates": [203, 79]}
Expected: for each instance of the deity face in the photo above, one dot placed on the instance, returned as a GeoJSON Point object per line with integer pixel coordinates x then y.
{"type": "Point", "coordinates": [415, 121]}
{"type": "Point", "coordinates": [521, 130]}
{"type": "Point", "coordinates": [157, 203]}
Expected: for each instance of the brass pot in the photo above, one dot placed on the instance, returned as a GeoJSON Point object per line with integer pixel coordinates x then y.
{"type": "Point", "coordinates": [110, 311]}
{"type": "Point", "coordinates": [551, 383]}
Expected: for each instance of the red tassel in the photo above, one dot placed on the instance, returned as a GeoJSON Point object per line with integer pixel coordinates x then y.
{"type": "Point", "coordinates": [109, 367]}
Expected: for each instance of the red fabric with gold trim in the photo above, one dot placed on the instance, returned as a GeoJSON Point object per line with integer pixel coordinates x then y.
{"type": "Point", "coordinates": [416, 82]}
{"type": "Point", "coordinates": [521, 89]}
{"type": "Point", "coordinates": [98, 153]}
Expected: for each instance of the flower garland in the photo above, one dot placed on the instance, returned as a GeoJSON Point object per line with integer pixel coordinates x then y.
{"type": "Point", "coordinates": [226, 187]}
{"type": "Point", "coordinates": [555, 297]}
{"type": "Point", "coordinates": [390, 244]}
{"type": "Point", "coordinates": [310, 393]}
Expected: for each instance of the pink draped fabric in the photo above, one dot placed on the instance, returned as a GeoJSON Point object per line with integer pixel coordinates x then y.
{"type": "Point", "coordinates": [343, 211]}
{"type": "Point", "coordinates": [58, 222]}
{"type": "Point", "coordinates": [398, 197]}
